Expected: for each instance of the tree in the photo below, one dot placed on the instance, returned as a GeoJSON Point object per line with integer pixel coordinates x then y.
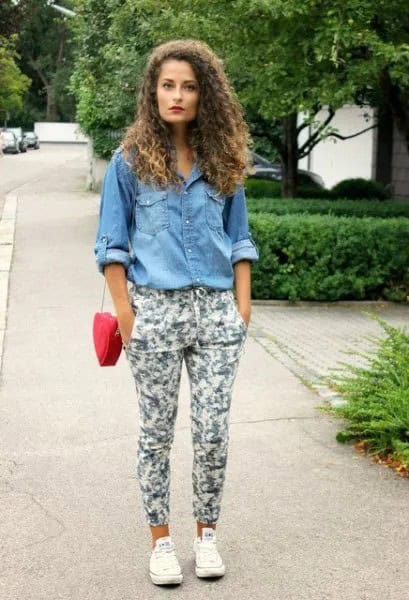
{"type": "Point", "coordinates": [45, 48]}
{"type": "Point", "coordinates": [286, 56]}
{"type": "Point", "coordinates": [12, 16]}
{"type": "Point", "coordinates": [112, 39]}
{"type": "Point", "coordinates": [13, 84]}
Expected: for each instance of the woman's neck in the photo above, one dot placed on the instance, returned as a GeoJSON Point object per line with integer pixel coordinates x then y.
{"type": "Point", "coordinates": [179, 139]}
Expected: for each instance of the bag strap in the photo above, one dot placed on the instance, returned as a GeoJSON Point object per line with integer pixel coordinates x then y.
{"type": "Point", "coordinates": [103, 295]}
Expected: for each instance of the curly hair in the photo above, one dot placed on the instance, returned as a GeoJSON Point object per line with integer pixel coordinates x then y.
{"type": "Point", "coordinates": [218, 137]}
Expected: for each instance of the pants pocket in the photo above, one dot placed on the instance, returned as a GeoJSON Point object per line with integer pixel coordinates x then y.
{"type": "Point", "coordinates": [136, 301]}
{"type": "Point", "coordinates": [237, 313]}
{"type": "Point", "coordinates": [151, 331]}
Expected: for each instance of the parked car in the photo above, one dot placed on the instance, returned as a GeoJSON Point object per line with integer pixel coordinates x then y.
{"type": "Point", "coordinates": [264, 169]}
{"type": "Point", "coordinates": [33, 140]}
{"type": "Point", "coordinates": [10, 142]}
{"type": "Point", "coordinates": [22, 142]}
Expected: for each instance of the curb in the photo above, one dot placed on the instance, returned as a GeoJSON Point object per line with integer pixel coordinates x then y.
{"type": "Point", "coordinates": [337, 303]}
{"type": "Point", "coordinates": [7, 231]}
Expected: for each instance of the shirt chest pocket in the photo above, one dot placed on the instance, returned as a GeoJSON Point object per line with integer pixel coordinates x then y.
{"type": "Point", "coordinates": [152, 213]}
{"type": "Point", "coordinates": [214, 209]}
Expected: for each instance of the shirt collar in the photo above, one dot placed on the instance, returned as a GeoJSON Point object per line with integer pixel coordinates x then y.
{"type": "Point", "coordinates": [195, 174]}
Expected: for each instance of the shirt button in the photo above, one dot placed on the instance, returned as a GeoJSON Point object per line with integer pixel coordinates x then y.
{"type": "Point", "coordinates": [185, 192]}
{"type": "Point", "coordinates": [187, 220]}
{"type": "Point", "coordinates": [189, 250]}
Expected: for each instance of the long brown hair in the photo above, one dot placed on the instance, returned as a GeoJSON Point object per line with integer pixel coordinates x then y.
{"type": "Point", "coordinates": [219, 136]}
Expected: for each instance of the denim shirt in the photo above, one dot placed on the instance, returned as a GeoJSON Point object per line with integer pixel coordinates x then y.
{"type": "Point", "coordinates": [167, 239]}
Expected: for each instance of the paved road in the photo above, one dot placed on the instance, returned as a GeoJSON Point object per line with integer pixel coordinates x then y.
{"type": "Point", "coordinates": [303, 518]}
{"type": "Point", "coordinates": [21, 170]}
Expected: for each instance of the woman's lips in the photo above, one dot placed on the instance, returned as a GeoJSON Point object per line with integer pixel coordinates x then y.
{"type": "Point", "coordinates": [177, 109]}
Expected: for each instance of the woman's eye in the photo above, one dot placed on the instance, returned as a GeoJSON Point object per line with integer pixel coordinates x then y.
{"type": "Point", "coordinates": [190, 87]}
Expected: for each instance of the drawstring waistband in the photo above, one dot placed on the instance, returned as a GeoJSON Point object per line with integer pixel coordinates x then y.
{"type": "Point", "coordinates": [199, 291]}
{"type": "Point", "coordinates": [194, 291]}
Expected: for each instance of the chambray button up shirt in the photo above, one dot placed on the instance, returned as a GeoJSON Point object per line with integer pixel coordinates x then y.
{"type": "Point", "coordinates": [170, 240]}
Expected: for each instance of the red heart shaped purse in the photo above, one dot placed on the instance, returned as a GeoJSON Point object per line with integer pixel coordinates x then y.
{"type": "Point", "coordinates": [107, 339]}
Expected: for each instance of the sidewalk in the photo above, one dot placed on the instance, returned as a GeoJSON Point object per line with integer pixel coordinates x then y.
{"type": "Point", "coordinates": [303, 517]}
{"type": "Point", "coordinates": [313, 340]}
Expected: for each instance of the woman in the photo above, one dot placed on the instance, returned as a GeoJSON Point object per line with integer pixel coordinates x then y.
{"type": "Point", "coordinates": [173, 222]}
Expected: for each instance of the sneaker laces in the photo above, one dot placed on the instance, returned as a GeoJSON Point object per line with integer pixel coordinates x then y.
{"type": "Point", "coordinates": [208, 550]}
{"type": "Point", "coordinates": [167, 557]}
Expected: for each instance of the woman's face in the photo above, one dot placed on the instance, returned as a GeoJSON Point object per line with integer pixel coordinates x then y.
{"type": "Point", "coordinates": [177, 87]}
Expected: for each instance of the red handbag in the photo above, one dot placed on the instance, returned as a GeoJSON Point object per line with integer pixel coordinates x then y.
{"type": "Point", "coordinates": [107, 338]}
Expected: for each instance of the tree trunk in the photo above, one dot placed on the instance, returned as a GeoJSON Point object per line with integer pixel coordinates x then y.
{"type": "Point", "coordinates": [398, 102]}
{"type": "Point", "coordinates": [401, 114]}
{"type": "Point", "coordinates": [289, 157]}
{"type": "Point", "coordinates": [384, 147]}
{"type": "Point", "coordinates": [52, 112]}
{"type": "Point", "coordinates": [52, 105]}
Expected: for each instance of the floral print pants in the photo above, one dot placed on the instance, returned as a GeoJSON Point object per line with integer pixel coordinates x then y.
{"type": "Point", "coordinates": [202, 326]}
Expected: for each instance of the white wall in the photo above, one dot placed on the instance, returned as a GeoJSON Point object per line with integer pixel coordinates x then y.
{"type": "Point", "coordinates": [60, 132]}
{"type": "Point", "coordinates": [96, 170]}
{"type": "Point", "coordinates": [336, 159]}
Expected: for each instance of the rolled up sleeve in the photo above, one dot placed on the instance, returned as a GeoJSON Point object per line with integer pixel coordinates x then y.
{"type": "Point", "coordinates": [115, 213]}
{"type": "Point", "coordinates": [237, 228]}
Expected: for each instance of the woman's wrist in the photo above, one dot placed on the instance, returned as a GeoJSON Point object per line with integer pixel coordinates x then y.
{"type": "Point", "coordinates": [115, 277]}
{"type": "Point", "coordinates": [122, 307]}
{"type": "Point", "coordinates": [245, 311]}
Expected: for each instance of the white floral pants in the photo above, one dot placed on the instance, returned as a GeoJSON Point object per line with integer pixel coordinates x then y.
{"type": "Point", "coordinates": [202, 326]}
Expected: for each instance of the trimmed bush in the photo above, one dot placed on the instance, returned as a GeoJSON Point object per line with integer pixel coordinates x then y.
{"type": "Point", "coordinates": [359, 188]}
{"type": "Point", "coordinates": [263, 188]}
{"type": "Point", "coordinates": [314, 192]}
{"type": "Point", "coordinates": [316, 257]}
{"type": "Point", "coordinates": [338, 208]}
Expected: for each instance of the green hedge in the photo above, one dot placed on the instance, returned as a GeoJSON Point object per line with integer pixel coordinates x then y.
{"type": "Point", "coordinates": [327, 258]}
{"type": "Point", "coordinates": [361, 208]}
{"type": "Point", "coordinates": [105, 141]}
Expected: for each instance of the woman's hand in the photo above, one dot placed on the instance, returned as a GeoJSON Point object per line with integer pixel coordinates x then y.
{"type": "Point", "coordinates": [245, 312]}
{"type": "Point", "coordinates": [126, 320]}
{"type": "Point", "coordinates": [242, 284]}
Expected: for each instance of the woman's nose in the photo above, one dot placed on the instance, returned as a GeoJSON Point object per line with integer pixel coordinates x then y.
{"type": "Point", "coordinates": [178, 93]}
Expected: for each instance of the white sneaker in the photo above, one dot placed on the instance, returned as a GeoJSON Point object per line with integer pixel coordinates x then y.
{"type": "Point", "coordinates": [164, 566]}
{"type": "Point", "coordinates": [209, 563]}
